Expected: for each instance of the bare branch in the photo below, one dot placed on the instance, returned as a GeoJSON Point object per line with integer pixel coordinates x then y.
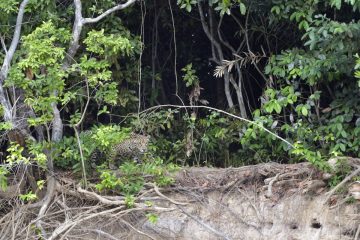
{"type": "Point", "coordinates": [5, 103]}
{"type": "Point", "coordinates": [167, 198]}
{"type": "Point", "coordinates": [86, 105]}
{"type": "Point", "coordinates": [225, 113]}
{"type": "Point", "coordinates": [224, 42]}
{"type": "Point", "coordinates": [77, 27]}
{"type": "Point", "coordinates": [208, 33]}
{"type": "Point", "coordinates": [15, 41]}
{"type": "Point", "coordinates": [81, 154]}
{"type": "Point", "coordinates": [215, 45]}
{"type": "Point", "coordinates": [109, 11]}
{"type": "Point", "coordinates": [3, 45]}
{"type": "Point", "coordinates": [7, 60]}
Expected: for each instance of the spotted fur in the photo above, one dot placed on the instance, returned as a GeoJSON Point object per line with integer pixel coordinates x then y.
{"type": "Point", "coordinates": [132, 148]}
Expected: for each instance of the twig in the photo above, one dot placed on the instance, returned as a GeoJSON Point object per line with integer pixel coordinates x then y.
{"type": "Point", "coordinates": [142, 39]}
{"type": "Point", "coordinates": [357, 235]}
{"type": "Point", "coordinates": [175, 49]}
{"type": "Point", "coordinates": [77, 132]}
{"type": "Point", "coordinates": [81, 155]}
{"type": "Point", "coordinates": [70, 224]}
{"type": "Point", "coordinates": [167, 198]}
{"type": "Point", "coordinates": [3, 45]}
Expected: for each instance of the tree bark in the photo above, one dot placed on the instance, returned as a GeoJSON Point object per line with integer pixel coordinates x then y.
{"type": "Point", "coordinates": [9, 54]}
{"type": "Point", "coordinates": [219, 57]}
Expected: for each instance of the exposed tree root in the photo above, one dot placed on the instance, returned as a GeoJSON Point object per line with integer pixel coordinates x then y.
{"type": "Point", "coordinates": [70, 207]}
{"type": "Point", "coordinates": [73, 210]}
{"type": "Point", "coordinates": [347, 179]}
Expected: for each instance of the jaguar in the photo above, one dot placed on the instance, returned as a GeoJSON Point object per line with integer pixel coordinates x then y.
{"type": "Point", "coordinates": [132, 148]}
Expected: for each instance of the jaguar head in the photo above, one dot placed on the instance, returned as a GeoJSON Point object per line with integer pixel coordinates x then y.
{"type": "Point", "coordinates": [142, 142]}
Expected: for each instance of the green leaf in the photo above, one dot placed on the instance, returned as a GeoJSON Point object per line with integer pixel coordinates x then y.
{"type": "Point", "coordinates": [242, 8]}
{"type": "Point", "coordinates": [275, 9]}
{"type": "Point", "coordinates": [277, 107]}
{"type": "Point", "coordinates": [336, 3]}
{"type": "Point", "coordinates": [343, 134]}
{"type": "Point", "coordinates": [304, 111]}
{"type": "Point", "coordinates": [152, 218]}
{"type": "Point", "coordinates": [342, 147]}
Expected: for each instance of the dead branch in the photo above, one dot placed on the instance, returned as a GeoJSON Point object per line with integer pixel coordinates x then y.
{"type": "Point", "coordinates": [70, 224]}
{"type": "Point", "coordinates": [95, 196]}
{"type": "Point", "coordinates": [167, 198]}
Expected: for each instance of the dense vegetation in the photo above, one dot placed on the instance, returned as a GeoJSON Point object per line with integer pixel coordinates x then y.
{"type": "Point", "coordinates": [187, 73]}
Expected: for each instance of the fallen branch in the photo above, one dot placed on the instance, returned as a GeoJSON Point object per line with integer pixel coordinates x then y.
{"type": "Point", "coordinates": [167, 198]}
{"type": "Point", "coordinates": [100, 198]}
{"type": "Point", "coordinates": [69, 224]}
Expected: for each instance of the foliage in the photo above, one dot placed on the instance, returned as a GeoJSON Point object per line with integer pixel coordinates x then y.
{"type": "Point", "coordinates": [99, 137]}
{"type": "Point", "coordinates": [3, 177]}
{"type": "Point", "coordinates": [223, 6]}
{"type": "Point", "coordinates": [30, 196]}
{"type": "Point", "coordinates": [190, 77]}
{"type": "Point", "coordinates": [213, 134]}
{"type": "Point", "coordinates": [130, 178]}
{"type": "Point", "coordinates": [16, 155]}
{"type": "Point", "coordinates": [153, 218]}
{"type": "Point", "coordinates": [308, 88]}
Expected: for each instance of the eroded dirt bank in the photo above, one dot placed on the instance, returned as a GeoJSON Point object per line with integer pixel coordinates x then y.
{"type": "Point", "coordinates": [267, 201]}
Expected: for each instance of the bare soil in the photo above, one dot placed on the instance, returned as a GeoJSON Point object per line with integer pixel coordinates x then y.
{"type": "Point", "coordinates": [266, 201]}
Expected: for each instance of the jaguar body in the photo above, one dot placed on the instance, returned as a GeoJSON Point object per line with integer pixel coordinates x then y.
{"type": "Point", "coordinates": [132, 148]}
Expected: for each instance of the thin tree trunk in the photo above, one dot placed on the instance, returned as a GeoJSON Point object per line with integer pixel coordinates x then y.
{"type": "Point", "coordinates": [220, 56]}
{"type": "Point", "coordinates": [9, 54]}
